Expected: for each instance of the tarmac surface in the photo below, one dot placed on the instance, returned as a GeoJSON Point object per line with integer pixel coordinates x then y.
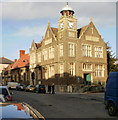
{"type": "Point", "coordinates": [65, 105]}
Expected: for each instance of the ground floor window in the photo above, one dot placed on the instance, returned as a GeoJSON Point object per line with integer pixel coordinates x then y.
{"type": "Point", "coordinates": [72, 69]}
{"type": "Point", "coordinates": [61, 70]}
{"type": "Point", "coordinates": [87, 67]}
{"type": "Point", "coordinates": [51, 71]}
{"type": "Point", "coordinates": [46, 73]}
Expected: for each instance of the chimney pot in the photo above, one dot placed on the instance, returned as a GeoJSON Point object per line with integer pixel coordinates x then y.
{"type": "Point", "coordinates": [15, 60]}
{"type": "Point", "coordinates": [22, 52]}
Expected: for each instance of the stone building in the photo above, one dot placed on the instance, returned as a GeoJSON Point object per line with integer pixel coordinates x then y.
{"type": "Point", "coordinates": [68, 56]}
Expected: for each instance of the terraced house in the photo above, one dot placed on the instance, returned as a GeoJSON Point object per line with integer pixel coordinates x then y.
{"type": "Point", "coordinates": [68, 56]}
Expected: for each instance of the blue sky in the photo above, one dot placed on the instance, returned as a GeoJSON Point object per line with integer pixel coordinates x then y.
{"type": "Point", "coordinates": [23, 22]}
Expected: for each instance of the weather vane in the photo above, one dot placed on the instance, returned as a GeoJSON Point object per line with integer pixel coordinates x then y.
{"type": "Point", "coordinates": [67, 2]}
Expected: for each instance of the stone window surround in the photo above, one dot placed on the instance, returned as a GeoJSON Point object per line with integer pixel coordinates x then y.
{"type": "Point", "coordinates": [71, 49]}
{"type": "Point", "coordinates": [87, 50]}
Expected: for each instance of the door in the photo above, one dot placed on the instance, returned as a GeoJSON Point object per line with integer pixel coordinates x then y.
{"type": "Point", "coordinates": [87, 79]}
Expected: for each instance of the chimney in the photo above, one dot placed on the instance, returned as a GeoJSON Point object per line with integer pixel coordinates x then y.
{"type": "Point", "coordinates": [15, 60]}
{"type": "Point", "coordinates": [22, 52]}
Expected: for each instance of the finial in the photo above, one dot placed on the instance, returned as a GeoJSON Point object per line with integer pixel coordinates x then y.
{"type": "Point", "coordinates": [48, 23]}
{"type": "Point", "coordinates": [66, 2]}
{"type": "Point", "coordinates": [91, 19]}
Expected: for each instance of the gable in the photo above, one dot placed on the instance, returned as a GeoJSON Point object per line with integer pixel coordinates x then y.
{"type": "Point", "coordinates": [33, 46]}
{"type": "Point", "coordinates": [50, 35]}
{"type": "Point", "coordinates": [91, 30]}
{"type": "Point", "coordinates": [90, 33]}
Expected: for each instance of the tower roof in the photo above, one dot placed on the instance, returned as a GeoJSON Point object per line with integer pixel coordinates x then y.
{"type": "Point", "coordinates": [67, 8]}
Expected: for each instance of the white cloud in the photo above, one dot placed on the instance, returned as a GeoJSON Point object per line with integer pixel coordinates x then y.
{"type": "Point", "coordinates": [28, 10]}
{"type": "Point", "coordinates": [30, 31]}
{"type": "Point", "coordinates": [102, 13]}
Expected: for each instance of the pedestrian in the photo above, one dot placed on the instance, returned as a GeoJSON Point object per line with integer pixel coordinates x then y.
{"type": "Point", "coordinates": [53, 88]}
{"type": "Point", "coordinates": [49, 89]}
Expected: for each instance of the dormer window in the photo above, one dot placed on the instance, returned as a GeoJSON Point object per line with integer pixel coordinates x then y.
{"type": "Point", "coordinates": [25, 60]}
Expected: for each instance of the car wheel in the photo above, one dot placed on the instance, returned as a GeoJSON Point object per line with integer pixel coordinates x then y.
{"type": "Point", "coordinates": [112, 109]}
{"type": "Point", "coordinates": [36, 91]}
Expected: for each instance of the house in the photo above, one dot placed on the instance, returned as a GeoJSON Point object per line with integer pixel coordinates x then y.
{"type": "Point", "coordinates": [19, 70]}
{"type": "Point", "coordinates": [4, 62]}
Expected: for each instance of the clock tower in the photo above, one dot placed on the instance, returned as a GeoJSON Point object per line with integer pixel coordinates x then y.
{"type": "Point", "coordinates": [67, 23]}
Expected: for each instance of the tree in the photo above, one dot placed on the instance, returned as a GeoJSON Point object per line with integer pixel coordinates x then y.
{"type": "Point", "coordinates": [111, 60]}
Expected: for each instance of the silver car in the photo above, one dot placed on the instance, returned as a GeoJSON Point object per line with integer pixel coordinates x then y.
{"type": "Point", "coordinates": [6, 93]}
{"type": "Point", "coordinates": [19, 111]}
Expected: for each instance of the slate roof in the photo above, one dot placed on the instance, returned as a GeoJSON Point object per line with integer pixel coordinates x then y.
{"type": "Point", "coordinates": [4, 60]}
{"type": "Point", "coordinates": [54, 30]}
{"type": "Point", "coordinates": [82, 30]}
{"type": "Point", "coordinates": [22, 62]}
{"type": "Point", "coordinates": [38, 45]}
{"type": "Point", "coordinates": [9, 67]}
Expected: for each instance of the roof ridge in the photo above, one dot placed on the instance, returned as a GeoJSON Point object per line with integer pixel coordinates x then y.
{"type": "Point", "coordinates": [19, 63]}
{"type": "Point", "coordinates": [6, 59]}
{"type": "Point", "coordinates": [54, 27]}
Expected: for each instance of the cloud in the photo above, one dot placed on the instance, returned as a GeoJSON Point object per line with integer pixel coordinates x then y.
{"type": "Point", "coordinates": [30, 31]}
{"type": "Point", "coordinates": [28, 10]}
{"type": "Point", "coordinates": [101, 12]}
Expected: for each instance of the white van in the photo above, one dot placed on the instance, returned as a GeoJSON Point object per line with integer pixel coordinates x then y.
{"type": "Point", "coordinates": [12, 85]}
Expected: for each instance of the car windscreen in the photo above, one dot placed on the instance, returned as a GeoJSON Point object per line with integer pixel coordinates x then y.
{"type": "Point", "coordinates": [21, 84]}
{"type": "Point", "coordinates": [3, 91]}
{"type": "Point", "coordinates": [42, 86]}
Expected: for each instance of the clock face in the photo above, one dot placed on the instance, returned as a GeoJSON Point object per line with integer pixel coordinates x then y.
{"type": "Point", "coordinates": [70, 24]}
{"type": "Point", "coordinates": [62, 25]}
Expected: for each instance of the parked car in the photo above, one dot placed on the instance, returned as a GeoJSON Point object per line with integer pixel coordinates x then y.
{"type": "Point", "coordinates": [2, 98]}
{"type": "Point", "coordinates": [12, 85]}
{"type": "Point", "coordinates": [6, 93]}
{"type": "Point", "coordinates": [93, 88]}
{"type": "Point", "coordinates": [20, 86]}
{"type": "Point", "coordinates": [40, 89]}
{"type": "Point", "coordinates": [111, 94]}
{"type": "Point", "coordinates": [19, 111]}
{"type": "Point", "coordinates": [30, 88]}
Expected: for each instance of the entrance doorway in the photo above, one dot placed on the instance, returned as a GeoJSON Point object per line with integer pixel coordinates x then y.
{"type": "Point", "coordinates": [87, 79]}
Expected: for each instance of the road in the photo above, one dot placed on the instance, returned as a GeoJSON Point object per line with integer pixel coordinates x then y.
{"type": "Point", "coordinates": [64, 105]}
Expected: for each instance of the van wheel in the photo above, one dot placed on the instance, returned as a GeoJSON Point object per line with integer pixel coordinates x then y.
{"type": "Point", "coordinates": [112, 109]}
